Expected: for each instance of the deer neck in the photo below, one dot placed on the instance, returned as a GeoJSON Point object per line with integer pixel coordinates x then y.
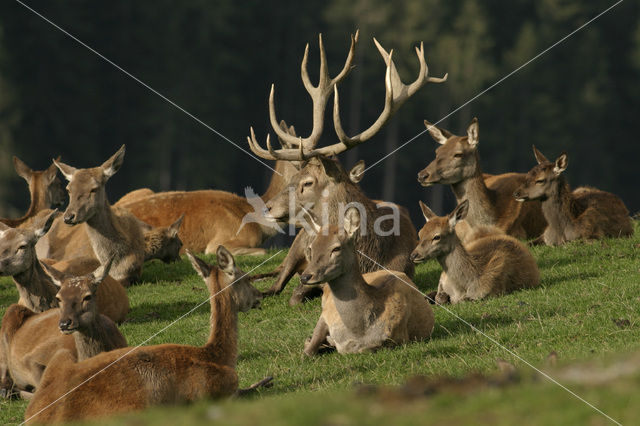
{"type": "Point", "coordinates": [222, 345]}
{"type": "Point", "coordinates": [352, 298]}
{"type": "Point", "coordinates": [459, 266]}
{"type": "Point", "coordinates": [35, 288]}
{"type": "Point", "coordinates": [104, 234]}
{"type": "Point", "coordinates": [92, 339]}
{"type": "Point", "coordinates": [481, 210]}
{"type": "Point", "coordinates": [557, 208]}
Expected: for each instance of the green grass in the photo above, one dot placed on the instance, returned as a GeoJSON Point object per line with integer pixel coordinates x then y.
{"type": "Point", "coordinates": [586, 288]}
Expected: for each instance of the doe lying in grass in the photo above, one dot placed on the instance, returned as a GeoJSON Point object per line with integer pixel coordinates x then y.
{"type": "Point", "coordinates": [491, 264]}
{"type": "Point", "coordinates": [360, 312]}
{"type": "Point", "coordinates": [139, 377]}
{"type": "Point", "coordinates": [586, 213]}
{"type": "Point", "coordinates": [29, 340]}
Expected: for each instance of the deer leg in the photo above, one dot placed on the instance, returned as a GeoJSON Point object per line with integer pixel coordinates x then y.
{"type": "Point", "coordinates": [319, 338]}
{"type": "Point", "coordinates": [305, 292]}
{"type": "Point", "coordinates": [292, 263]}
{"type": "Point", "coordinates": [237, 248]}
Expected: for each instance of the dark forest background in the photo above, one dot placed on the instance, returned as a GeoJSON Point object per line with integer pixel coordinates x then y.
{"type": "Point", "coordinates": [217, 59]}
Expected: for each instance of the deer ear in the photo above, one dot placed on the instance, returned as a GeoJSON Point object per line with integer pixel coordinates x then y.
{"type": "Point", "coordinates": [112, 165]}
{"type": "Point", "coordinates": [440, 135]}
{"type": "Point", "coordinates": [175, 226]}
{"type": "Point", "coordinates": [202, 268]}
{"type": "Point", "coordinates": [426, 211]}
{"type": "Point", "coordinates": [459, 213]}
{"type": "Point", "coordinates": [226, 262]}
{"type": "Point", "coordinates": [56, 276]}
{"type": "Point", "coordinates": [52, 172]}
{"type": "Point", "coordinates": [561, 164]}
{"type": "Point", "coordinates": [42, 226]}
{"type": "Point", "coordinates": [66, 170]}
{"type": "Point", "coordinates": [473, 136]}
{"type": "Point", "coordinates": [101, 272]}
{"type": "Point", "coordinates": [540, 158]}
{"type": "Point", "coordinates": [352, 221]}
{"type": "Point", "coordinates": [357, 172]}
{"type": "Point", "coordinates": [22, 169]}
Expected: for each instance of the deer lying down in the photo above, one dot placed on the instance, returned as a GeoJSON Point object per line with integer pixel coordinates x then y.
{"type": "Point", "coordinates": [45, 190]}
{"type": "Point", "coordinates": [492, 264]}
{"type": "Point", "coordinates": [490, 197]}
{"type": "Point", "coordinates": [29, 340]}
{"type": "Point", "coordinates": [586, 213]}
{"type": "Point", "coordinates": [153, 375]}
{"type": "Point", "coordinates": [360, 312]}
{"type": "Point", "coordinates": [36, 288]}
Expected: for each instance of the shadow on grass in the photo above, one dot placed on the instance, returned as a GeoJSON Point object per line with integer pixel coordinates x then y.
{"type": "Point", "coordinates": [452, 326]}
{"type": "Point", "coordinates": [148, 311]}
{"type": "Point", "coordinates": [551, 281]}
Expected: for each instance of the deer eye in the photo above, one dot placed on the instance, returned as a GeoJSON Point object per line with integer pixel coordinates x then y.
{"type": "Point", "coordinates": [458, 155]}
{"type": "Point", "coordinates": [540, 181]}
{"type": "Point", "coordinates": [436, 238]}
{"type": "Point", "coordinates": [335, 249]}
{"type": "Point", "coordinates": [94, 190]}
{"type": "Point", "coordinates": [22, 247]}
{"type": "Point", "coordinates": [307, 183]}
{"type": "Point", "coordinates": [87, 298]}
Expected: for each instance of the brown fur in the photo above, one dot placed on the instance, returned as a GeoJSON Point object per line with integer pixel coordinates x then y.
{"type": "Point", "coordinates": [152, 375]}
{"type": "Point", "coordinates": [45, 190]}
{"type": "Point", "coordinates": [586, 213]}
{"type": "Point", "coordinates": [112, 231]}
{"type": "Point", "coordinates": [135, 195]}
{"type": "Point", "coordinates": [321, 175]}
{"type": "Point", "coordinates": [457, 163]}
{"type": "Point", "coordinates": [29, 340]}
{"type": "Point", "coordinates": [36, 289]}
{"type": "Point", "coordinates": [361, 312]}
{"type": "Point", "coordinates": [491, 264]}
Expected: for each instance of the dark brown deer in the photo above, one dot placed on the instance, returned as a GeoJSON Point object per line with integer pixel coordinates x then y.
{"type": "Point", "coordinates": [586, 213]}
{"type": "Point", "coordinates": [136, 378]}
{"type": "Point", "coordinates": [490, 264]}
{"type": "Point", "coordinates": [491, 202]}
{"type": "Point", "coordinates": [360, 312]}
{"type": "Point", "coordinates": [323, 186]}
{"type": "Point", "coordinates": [29, 340]}
{"type": "Point", "coordinates": [45, 189]}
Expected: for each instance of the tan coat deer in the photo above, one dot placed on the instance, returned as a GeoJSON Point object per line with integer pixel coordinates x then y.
{"type": "Point", "coordinates": [324, 187]}
{"type": "Point", "coordinates": [360, 312]}
{"type": "Point", "coordinates": [36, 289]}
{"type": "Point", "coordinates": [111, 231]}
{"type": "Point", "coordinates": [152, 375]}
{"type": "Point", "coordinates": [491, 202]}
{"type": "Point", "coordinates": [492, 264]}
{"type": "Point", "coordinates": [45, 189]}
{"type": "Point", "coordinates": [29, 340]}
{"type": "Point", "coordinates": [586, 213]}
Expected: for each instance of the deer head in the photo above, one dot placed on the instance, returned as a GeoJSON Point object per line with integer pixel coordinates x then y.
{"type": "Point", "coordinates": [86, 188]}
{"type": "Point", "coordinates": [44, 183]}
{"type": "Point", "coordinates": [317, 171]}
{"type": "Point", "coordinates": [438, 236]}
{"type": "Point", "coordinates": [244, 295]}
{"type": "Point", "coordinates": [163, 242]}
{"type": "Point", "coordinates": [77, 297]}
{"type": "Point", "coordinates": [332, 251]}
{"type": "Point", "coordinates": [17, 245]}
{"type": "Point", "coordinates": [541, 181]}
{"type": "Point", "coordinates": [456, 157]}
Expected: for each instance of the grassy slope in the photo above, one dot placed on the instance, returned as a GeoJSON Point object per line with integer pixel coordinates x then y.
{"type": "Point", "coordinates": [585, 287]}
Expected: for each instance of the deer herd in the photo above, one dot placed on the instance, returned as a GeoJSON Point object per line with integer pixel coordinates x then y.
{"type": "Point", "coordinates": [72, 269]}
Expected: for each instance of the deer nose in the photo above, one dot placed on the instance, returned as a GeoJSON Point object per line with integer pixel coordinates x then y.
{"type": "Point", "coordinates": [305, 278]}
{"type": "Point", "coordinates": [69, 218]}
{"type": "Point", "coordinates": [414, 257]}
{"type": "Point", "coordinates": [422, 176]}
{"type": "Point", "coordinates": [64, 324]}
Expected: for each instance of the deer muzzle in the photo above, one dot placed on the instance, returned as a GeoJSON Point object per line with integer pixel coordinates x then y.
{"type": "Point", "coordinates": [66, 326]}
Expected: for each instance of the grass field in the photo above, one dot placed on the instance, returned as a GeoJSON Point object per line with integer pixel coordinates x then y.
{"type": "Point", "coordinates": [587, 308]}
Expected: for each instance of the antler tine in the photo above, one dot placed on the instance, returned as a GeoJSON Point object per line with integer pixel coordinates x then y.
{"type": "Point", "coordinates": [319, 94]}
{"type": "Point", "coordinates": [290, 154]}
{"type": "Point", "coordinates": [257, 149]}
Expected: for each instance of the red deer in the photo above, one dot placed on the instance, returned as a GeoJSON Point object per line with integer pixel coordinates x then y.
{"type": "Point", "coordinates": [323, 185]}
{"type": "Point", "coordinates": [360, 312]}
{"type": "Point", "coordinates": [29, 340]}
{"type": "Point", "coordinates": [491, 202]}
{"type": "Point", "coordinates": [586, 213]}
{"type": "Point", "coordinates": [44, 187]}
{"type": "Point", "coordinates": [136, 378]}
{"type": "Point", "coordinates": [111, 231]}
{"type": "Point", "coordinates": [490, 264]}
{"type": "Point", "coordinates": [35, 287]}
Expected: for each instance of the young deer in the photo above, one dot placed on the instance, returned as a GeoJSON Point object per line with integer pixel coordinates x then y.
{"type": "Point", "coordinates": [491, 264]}
{"type": "Point", "coordinates": [153, 375]}
{"type": "Point", "coordinates": [360, 312]}
{"type": "Point", "coordinates": [323, 186]}
{"type": "Point", "coordinates": [586, 213]}
{"type": "Point", "coordinates": [44, 187]}
{"type": "Point", "coordinates": [111, 231]}
{"type": "Point", "coordinates": [29, 340]}
{"type": "Point", "coordinates": [491, 202]}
